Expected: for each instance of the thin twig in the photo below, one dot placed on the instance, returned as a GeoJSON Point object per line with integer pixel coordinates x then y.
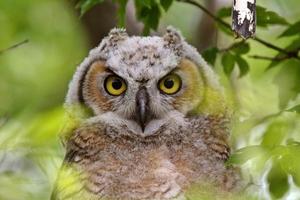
{"type": "Point", "coordinates": [267, 44]}
{"type": "Point", "coordinates": [276, 58]}
{"type": "Point", "coordinates": [14, 46]}
{"type": "Point", "coordinates": [268, 58]}
{"type": "Point", "coordinates": [291, 54]}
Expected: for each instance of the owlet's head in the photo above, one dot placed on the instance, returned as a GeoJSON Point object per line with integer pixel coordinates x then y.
{"type": "Point", "coordinates": [144, 85]}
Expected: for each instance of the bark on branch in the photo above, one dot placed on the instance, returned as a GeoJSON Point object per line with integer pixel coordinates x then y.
{"type": "Point", "coordinates": [244, 18]}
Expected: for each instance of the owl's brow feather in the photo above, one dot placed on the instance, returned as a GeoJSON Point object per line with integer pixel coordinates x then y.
{"type": "Point", "coordinates": [177, 68]}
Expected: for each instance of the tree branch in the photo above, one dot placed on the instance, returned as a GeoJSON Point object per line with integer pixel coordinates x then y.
{"type": "Point", "coordinates": [267, 58]}
{"type": "Point", "coordinates": [291, 54]}
{"type": "Point", "coordinates": [13, 46]}
{"type": "Point", "coordinates": [276, 58]}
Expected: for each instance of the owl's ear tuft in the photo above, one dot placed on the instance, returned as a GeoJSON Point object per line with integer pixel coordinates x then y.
{"type": "Point", "coordinates": [173, 38]}
{"type": "Point", "coordinates": [116, 35]}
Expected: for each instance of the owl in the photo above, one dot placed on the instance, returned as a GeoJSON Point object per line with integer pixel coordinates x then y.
{"type": "Point", "coordinates": [147, 120]}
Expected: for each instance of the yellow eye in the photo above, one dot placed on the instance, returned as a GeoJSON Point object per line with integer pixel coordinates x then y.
{"type": "Point", "coordinates": [114, 85]}
{"type": "Point", "coordinates": [170, 84]}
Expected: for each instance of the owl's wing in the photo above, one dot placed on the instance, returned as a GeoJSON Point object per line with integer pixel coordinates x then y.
{"type": "Point", "coordinates": [216, 135]}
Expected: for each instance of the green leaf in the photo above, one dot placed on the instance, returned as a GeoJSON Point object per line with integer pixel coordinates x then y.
{"type": "Point", "coordinates": [244, 154]}
{"type": "Point", "coordinates": [294, 29]}
{"type": "Point", "coordinates": [274, 63]}
{"type": "Point", "coordinates": [292, 142]}
{"type": "Point", "coordinates": [210, 55]}
{"type": "Point", "coordinates": [278, 181]}
{"type": "Point", "coordinates": [293, 46]}
{"type": "Point", "coordinates": [242, 48]}
{"type": "Point", "coordinates": [86, 5]}
{"type": "Point", "coordinates": [228, 61]}
{"type": "Point", "coordinates": [166, 4]}
{"type": "Point", "coordinates": [288, 82]}
{"type": "Point", "coordinates": [275, 134]}
{"type": "Point", "coordinates": [225, 29]}
{"type": "Point", "coordinates": [294, 109]}
{"type": "Point", "coordinates": [153, 18]}
{"type": "Point", "coordinates": [287, 79]}
{"type": "Point", "coordinates": [146, 3]}
{"type": "Point", "coordinates": [265, 17]}
{"type": "Point", "coordinates": [148, 14]}
{"type": "Point", "coordinates": [296, 178]}
{"type": "Point", "coordinates": [224, 12]}
{"type": "Point", "coordinates": [243, 65]}
{"type": "Point", "coordinates": [122, 13]}
{"type": "Point", "coordinates": [289, 160]}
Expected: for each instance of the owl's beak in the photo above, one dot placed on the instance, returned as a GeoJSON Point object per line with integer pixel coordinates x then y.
{"type": "Point", "coordinates": [142, 107]}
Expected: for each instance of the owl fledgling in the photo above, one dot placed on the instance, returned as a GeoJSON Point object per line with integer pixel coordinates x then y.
{"type": "Point", "coordinates": [157, 123]}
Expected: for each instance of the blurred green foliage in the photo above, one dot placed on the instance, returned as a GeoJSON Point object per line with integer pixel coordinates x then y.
{"type": "Point", "coordinates": [34, 79]}
{"type": "Point", "coordinates": [55, 45]}
{"type": "Point", "coordinates": [33, 82]}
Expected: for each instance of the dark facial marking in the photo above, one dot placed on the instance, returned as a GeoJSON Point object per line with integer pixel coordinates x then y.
{"type": "Point", "coordinates": [81, 81]}
{"type": "Point", "coordinates": [143, 80]}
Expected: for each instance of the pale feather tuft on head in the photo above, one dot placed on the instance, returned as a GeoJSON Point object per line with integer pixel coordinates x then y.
{"type": "Point", "coordinates": [114, 37]}
{"type": "Point", "coordinates": [173, 39]}
{"type": "Point", "coordinates": [117, 34]}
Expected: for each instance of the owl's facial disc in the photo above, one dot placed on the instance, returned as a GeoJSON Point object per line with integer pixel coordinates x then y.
{"type": "Point", "coordinates": [144, 100]}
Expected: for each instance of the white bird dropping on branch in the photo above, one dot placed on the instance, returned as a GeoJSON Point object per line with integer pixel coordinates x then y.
{"type": "Point", "coordinates": [244, 18]}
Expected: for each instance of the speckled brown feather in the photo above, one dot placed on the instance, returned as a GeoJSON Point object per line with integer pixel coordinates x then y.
{"type": "Point", "coordinates": [152, 168]}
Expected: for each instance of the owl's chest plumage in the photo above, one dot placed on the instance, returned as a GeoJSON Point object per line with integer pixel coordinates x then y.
{"type": "Point", "coordinates": [152, 168]}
